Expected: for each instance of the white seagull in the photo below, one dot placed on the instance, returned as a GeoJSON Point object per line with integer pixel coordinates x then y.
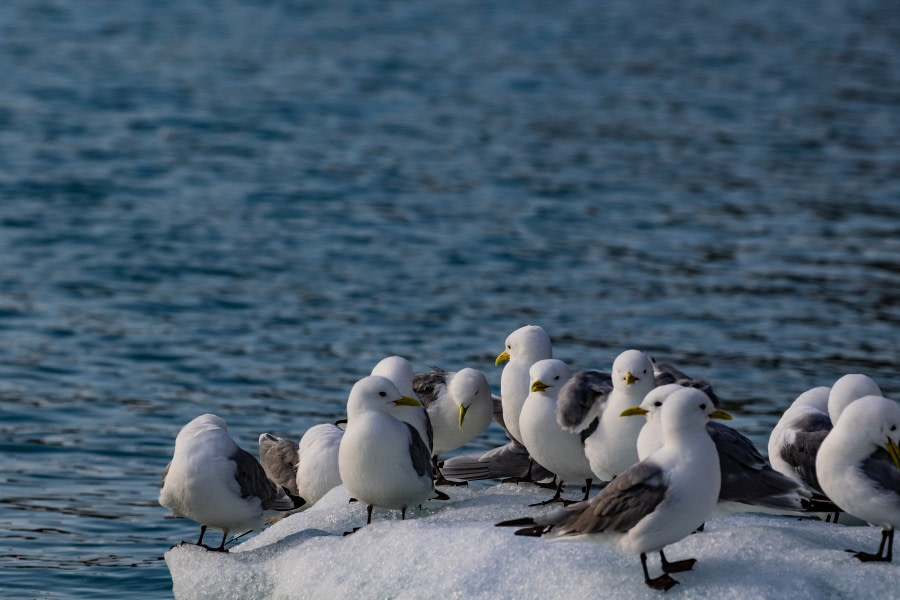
{"type": "Point", "coordinates": [382, 460]}
{"type": "Point", "coordinates": [749, 483]}
{"type": "Point", "coordinates": [654, 503]}
{"type": "Point", "coordinates": [612, 447]}
{"type": "Point", "coordinates": [459, 407]}
{"type": "Point", "coordinates": [847, 389]}
{"type": "Point", "coordinates": [853, 472]}
{"type": "Point", "coordinates": [214, 482]}
{"type": "Point", "coordinates": [400, 373]}
{"type": "Point", "coordinates": [557, 450]}
{"type": "Point", "coordinates": [796, 438]}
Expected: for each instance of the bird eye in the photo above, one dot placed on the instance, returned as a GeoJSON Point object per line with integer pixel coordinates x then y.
{"type": "Point", "coordinates": [645, 371]}
{"type": "Point", "coordinates": [702, 407]}
{"type": "Point", "coordinates": [657, 403]}
{"type": "Point", "coordinates": [557, 377]}
{"type": "Point", "coordinates": [893, 428]}
{"type": "Point", "coordinates": [382, 394]}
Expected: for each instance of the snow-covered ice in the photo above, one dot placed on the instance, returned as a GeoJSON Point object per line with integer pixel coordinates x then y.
{"type": "Point", "coordinates": [453, 550]}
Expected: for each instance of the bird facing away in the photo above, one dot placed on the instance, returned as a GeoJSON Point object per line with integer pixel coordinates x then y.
{"type": "Point", "coordinates": [214, 482]}
{"type": "Point", "coordinates": [846, 390]}
{"type": "Point", "coordinates": [558, 450]}
{"type": "Point", "coordinates": [855, 476]}
{"type": "Point", "coordinates": [655, 502]}
{"type": "Point", "coordinates": [796, 438]}
{"type": "Point", "coordinates": [382, 460]}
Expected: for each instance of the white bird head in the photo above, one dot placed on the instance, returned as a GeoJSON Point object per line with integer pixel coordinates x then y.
{"type": "Point", "coordinates": [687, 409]}
{"type": "Point", "coordinates": [467, 387]}
{"type": "Point", "coordinates": [653, 402]}
{"type": "Point", "coordinates": [376, 393]}
{"type": "Point", "coordinates": [869, 423]}
{"type": "Point", "coordinates": [549, 374]}
{"type": "Point", "coordinates": [528, 344]}
{"type": "Point", "coordinates": [399, 371]}
{"type": "Point", "coordinates": [632, 372]}
{"type": "Point", "coordinates": [846, 390]}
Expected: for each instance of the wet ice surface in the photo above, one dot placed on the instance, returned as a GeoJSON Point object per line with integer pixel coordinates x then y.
{"type": "Point", "coordinates": [453, 550]}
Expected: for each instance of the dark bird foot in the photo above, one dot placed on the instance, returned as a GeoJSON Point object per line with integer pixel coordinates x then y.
{"type": "Point", "coordinates": [516, 480]}
{"type": "Point", "coordinates": [663, 583]}
{"type": "Point", "coordinates": [440, 495]}
{"type": "Point", "coordinates": [516, 522]}
{"type": "Point", "coordinates": [219, 549]}
{"type": "Point", "coordinates": [536, 531]}
{"type": "Point", "coordinates": [547, 486]}
{"type": "Point", "coordinates": [351, 532]}
{"type": "Point", "coordinates": [444, 481]}
{"type": "Point", "coordinates": [679, 566]}
{"type": "Point", "coordinates": [352, 500]}
{"type": "Point", "coordinates": [552, 500]}
{"type": "Point", "coordinates": [866, 557]}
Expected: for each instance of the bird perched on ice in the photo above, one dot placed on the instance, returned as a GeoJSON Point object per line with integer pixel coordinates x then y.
{"type": "Point", "coordinates": [382, 460]}
{"type": "Point", "coordinates": [459, 407]}
{"type": "Point", "coordinates": [557, 450]}
{"type": "Point", "coordinates": [214, 482]}
{"type": "Point", "coordinates": [749, 484]}
{"type": "Point", "coordinates": [856, 477]}
{"type": "Point", "coordinates": [612, 447]}
{"type": "Point", "coordinates": [655, 502]}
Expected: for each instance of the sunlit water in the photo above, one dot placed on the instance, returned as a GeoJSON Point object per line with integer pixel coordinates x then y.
{"type": "Point", "coordinates": [239, 207]}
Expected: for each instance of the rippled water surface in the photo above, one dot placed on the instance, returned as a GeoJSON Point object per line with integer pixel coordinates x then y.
{"type": "Point", "coordinates": [240, 206]}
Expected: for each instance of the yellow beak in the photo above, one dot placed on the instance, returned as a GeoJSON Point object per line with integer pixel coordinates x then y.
{"type": "Point", "coordinates": [629, 378]}
{"type": "Point", "coordinates": [720, 414]}
{"type": "Point", "coordinates": [894, 451]}
{"type": "Point", "coordinates": [634, 411]}
{"type": "Point", "coordinates": [539, 386]}
{"type": "Point", "coordinates": [462, 414]}
{"type": "Point", "coordinates": [501, 358]}
{"type": "Point", "coordinates": [407, 401]}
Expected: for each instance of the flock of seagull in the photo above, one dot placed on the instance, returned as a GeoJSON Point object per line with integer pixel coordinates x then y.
{"type": "Point", "coordinates": [835, 450]}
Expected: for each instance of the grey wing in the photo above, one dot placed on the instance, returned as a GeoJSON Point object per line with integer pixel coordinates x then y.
{"type": "Point", "coordinates": [734, 447]}
{"type": "Point", "coordinates": [510, 460]}
{"type": "Point", "coordinates": [627, 499]}
{"type": "Point", "coordinates": [254, 482]}
{"type": "Point", "coordinates": [430, 385]}
{"type": "Point", "coordinates": [418, 452]}
{"type": "Point", "coordinates": [879, 468]}
{"type": "Point", "coordinates": [279, 459]}
{"type": "Point", "coordinates": [664, 373]}
{"type": "Point", "coordinates": [801, 455]}
{"type": "Point", "coordinates": [581, 399]}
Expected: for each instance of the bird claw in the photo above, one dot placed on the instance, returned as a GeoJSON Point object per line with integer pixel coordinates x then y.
{"type": "Point", "coordinates": [351, 532]}
{"type": "Point", "coordinates": [444, 481]}
{"type": "Point", "coordinates": [663, 583]}
{"type": "Point", "coordinates": [679, 566]}
{"type": "Point", "coordinates": [866, 557]}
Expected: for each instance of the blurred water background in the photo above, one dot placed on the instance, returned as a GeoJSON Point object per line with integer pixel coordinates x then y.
{"type": "Point", "coordinates": [239, 206]}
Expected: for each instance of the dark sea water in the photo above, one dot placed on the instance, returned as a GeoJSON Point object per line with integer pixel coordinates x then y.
{"type": "Point", "coordinates": [240, 206]}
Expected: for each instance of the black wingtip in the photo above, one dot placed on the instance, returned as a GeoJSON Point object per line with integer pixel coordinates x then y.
{"type": "Point", "coordinates": [297, 500]}
{"type": "Point", "coordinates": [516, 522]}
{"type": "Point", "coordinates": [820, 505]}
{"type": "Point", "coordinates": [340, 422]}
{"type": "Point", "coordinates": [536, 531]}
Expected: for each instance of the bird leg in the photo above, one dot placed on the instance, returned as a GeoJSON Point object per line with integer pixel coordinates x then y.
{"type": "Point", "coordinates": [221, 547]}
{"type": "Point", "coordinates": [679, 566]}
{"type": "Point", "coordinates": [556, 497]}
{"type": "Point", "coordinates": [369, 512]}
{"type": "Point", "coordinates": [440, 479]}
{"type": "Point", "coordinates": [403, 514]}
{"type": "Point", "coordinates": [887, 539]}
{"type": "Point", "coordinates": [664, 582]}
{"type": "Point", "coordinates": [587, 489]}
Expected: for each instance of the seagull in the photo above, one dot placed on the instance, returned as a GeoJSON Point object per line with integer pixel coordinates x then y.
{"type": "Point", "coordinates": [459, 407]}
{"type": "Point", "coordinates": [612, 447]}
{"type": "Point", "coordinates": [400, 372]}
{"type": "Point", "coordinates": [214, 482]}
{"type": "Point", "coordinates": [558, 450]}
{"type": "Point", "coordinates": [382, 460]}
{"type": "Point", "coordinates": [308, 469]}
{"type": "Point", "coordinates": [749, 484]}
{"type": "Point", "coordinates": [796, 438]}
{"type": "Point", "coordinates": [854, 475]}
{"type": "Point", "coordinates": [847, 389]}
{"type": "Point", "coordinates": [524, 347]}
{"type": "Point", "coordinates": [655, 502]}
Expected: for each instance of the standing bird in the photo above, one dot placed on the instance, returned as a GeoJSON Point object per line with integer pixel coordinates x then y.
{"type": "Point", "coordinates": [654, 503]}
{"type": "Point", "coordinates": [459, 407]}
{"type": "Point", "coordinates": [612, 447]}
{"type": "Point", "coordinates": [382, 460]}
{"type": "Point", "coordinates": [796, 438]}
{"type": "Point", "coordinates": [214, 482]}
{"type": "Point", "coordinates": [853, 474]}
{"type": "Point", "coordinates": [749, 483]}
{"type": "Point", "coordinates": [559, 451]}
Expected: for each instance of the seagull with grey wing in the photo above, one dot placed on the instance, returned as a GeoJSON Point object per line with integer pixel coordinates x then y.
{"type": "Point", "coordinates": [653, 503]}
{"type": "Point", "coordinates": [382, 460]}
{"type": "Point", "coordinates": [214, 482]}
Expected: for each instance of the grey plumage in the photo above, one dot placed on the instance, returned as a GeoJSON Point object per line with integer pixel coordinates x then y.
{"type": "Point", "coordinates": [510, 460]}
{"type": "Point", "coordinates": [801, 452]}
{"type": "Point", "coordinates": [279, 459]}
{"type": "Point", "coordinates": [579, 398]}
{"type": "Point", "coordinates": [253, 481]}
{"type": "Point", "coordinates": [879, 468]}
{"type": "Point", "coordinates": [747, 477]}
{"type": "Point", "coordinates": [418, 452]}
{"type": "Point", "coordinates": [664, 373]}
{"type": "Point", "coordinates": [430, 385]}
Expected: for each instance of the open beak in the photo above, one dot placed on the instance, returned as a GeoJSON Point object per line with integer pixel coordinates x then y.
{"type": "Point", "coordinates": [634, 411]}
{"type": "Point", "coordinates": [539, 386]}
{"type": "Point", "coordinates": [630, 378]}
{"type": "Point", "coordinates": [720, 414]}
{"type": "Point", "coordinates": [407, 401]}
{"type": "Point", "coordinates": [894, 451]}
{"type": "Point", "coordinates": [501, 358]}
{"type": "Point", "coordinates": [462, 414]}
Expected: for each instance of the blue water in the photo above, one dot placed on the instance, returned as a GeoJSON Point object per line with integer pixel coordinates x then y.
{"type": "Point", "coordinates": [240, 206]}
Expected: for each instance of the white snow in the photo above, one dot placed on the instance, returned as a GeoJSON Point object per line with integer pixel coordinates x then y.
{"type": "Point", "coordinates": [452, 550]}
